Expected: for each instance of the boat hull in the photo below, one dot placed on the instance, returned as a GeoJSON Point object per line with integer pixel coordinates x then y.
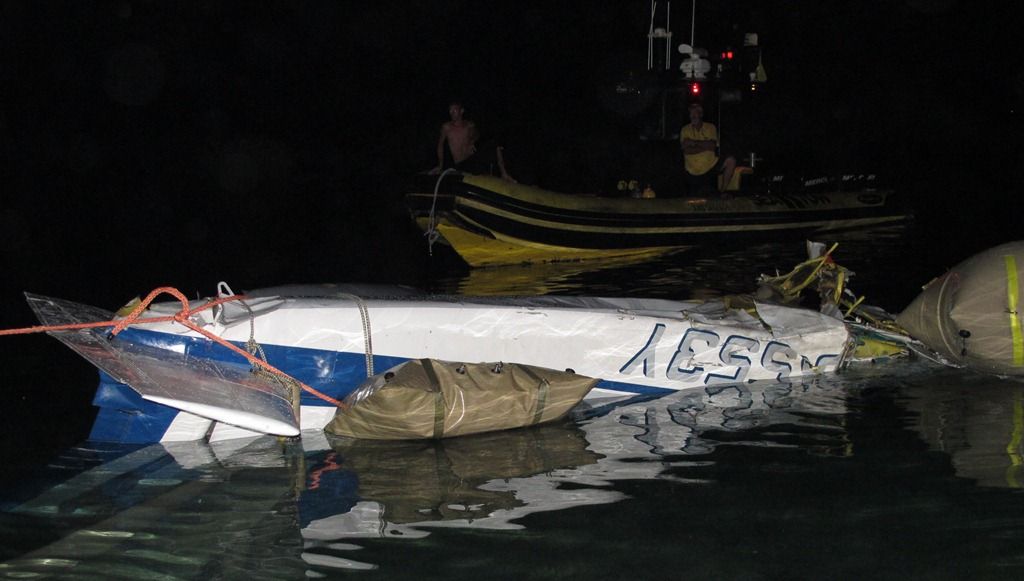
{"type": "Point", "coordinates": [554, 226]}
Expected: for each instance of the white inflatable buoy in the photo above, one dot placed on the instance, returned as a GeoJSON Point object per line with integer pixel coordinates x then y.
{"type": "Point", "coordinates": [972, 314]}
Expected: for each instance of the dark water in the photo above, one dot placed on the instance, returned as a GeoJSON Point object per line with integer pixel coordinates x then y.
{"type": "Point", "coordinates": [887, 471]}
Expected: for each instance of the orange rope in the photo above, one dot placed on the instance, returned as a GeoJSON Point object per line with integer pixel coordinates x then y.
{"type": "Point", "coordinates": [181, 317]}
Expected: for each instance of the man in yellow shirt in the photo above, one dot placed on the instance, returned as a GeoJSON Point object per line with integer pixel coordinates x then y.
{"type": "Point", "coordinates": [700, 144]}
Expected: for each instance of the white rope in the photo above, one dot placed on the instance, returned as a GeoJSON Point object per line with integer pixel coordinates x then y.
{"type": "Point", "coordinates": [251, 345]}
{"type": "Point", "coordinates": [256, 350]}
{"type": "Point", "coordinates": [432, 234]}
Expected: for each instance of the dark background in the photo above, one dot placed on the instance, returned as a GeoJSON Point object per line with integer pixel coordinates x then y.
{"type": "Point", "coordinates": [145, 143]}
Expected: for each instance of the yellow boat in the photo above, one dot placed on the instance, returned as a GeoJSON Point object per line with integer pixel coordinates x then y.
{"type": "Point", "coordinates": [489, 221]}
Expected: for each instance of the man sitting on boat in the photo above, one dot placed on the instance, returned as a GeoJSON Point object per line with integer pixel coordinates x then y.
{"type": "Point", "coordinates": [456, 145]}
{"type": "Point", "coordinates": [700, 144]}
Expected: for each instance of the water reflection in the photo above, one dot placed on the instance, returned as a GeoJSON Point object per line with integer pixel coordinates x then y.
{"type": "Point", "coordinates": [273, 509]}
{"type": "Point", "coordinates": [185, 510]}
{"type": "Point", "coordinates": [543, 279]}
{"type": "Point", "coordinates": [443, 483]}
{"type": "Point", "coordinates": [290, 506]}
{"type": "Point", "coordinates": [978, 422]}
{"type": "Point", "coordinates": [707, 271]}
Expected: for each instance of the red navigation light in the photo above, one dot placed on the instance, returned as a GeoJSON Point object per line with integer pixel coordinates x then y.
{"type": "Point", "coordinates": [695, 88]}
{"type": "Point", "coordinates": [727, 55]}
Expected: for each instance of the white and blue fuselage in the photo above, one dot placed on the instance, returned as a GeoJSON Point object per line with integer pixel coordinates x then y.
{"type": "Point", "coordinates": [631, 345]}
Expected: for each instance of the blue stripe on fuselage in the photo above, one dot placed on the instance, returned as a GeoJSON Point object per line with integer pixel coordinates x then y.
{"type": "Point", "coordinates": [333, 373]}
{"type": "Point", "coordinates": [125, 417]}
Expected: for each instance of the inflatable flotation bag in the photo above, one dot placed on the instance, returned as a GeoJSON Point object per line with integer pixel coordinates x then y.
{"type": "Point", "coordinates": [972, 314]}
{"type": "Point", "coordinates": [430, 399]}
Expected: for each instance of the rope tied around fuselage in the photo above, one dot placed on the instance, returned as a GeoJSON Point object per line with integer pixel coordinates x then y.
{"type": "Point", "coordinates": [182, 317]}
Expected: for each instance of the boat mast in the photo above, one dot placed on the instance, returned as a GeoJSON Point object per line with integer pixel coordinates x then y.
{"type": "Point", "coordinates": [693, 21]}
{"type": "Point", "coordinates": [659, 33]}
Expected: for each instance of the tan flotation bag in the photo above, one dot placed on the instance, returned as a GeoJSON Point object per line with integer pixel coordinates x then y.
{"type": "Point", "coordinates": [972, 314]}
{"type": "Point", "coordinates": [427, 398]}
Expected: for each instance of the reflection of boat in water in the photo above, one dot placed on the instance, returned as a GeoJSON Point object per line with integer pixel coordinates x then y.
{"type": "Point", "coordinates": [543, 278]}
{"type": "Point", "coordinates": [177, 505]}
{"type": "Point", "coordinates": [489, 221]}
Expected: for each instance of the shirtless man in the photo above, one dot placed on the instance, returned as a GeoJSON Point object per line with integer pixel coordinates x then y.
{"type": "Point", "coordinates": [460, 134]}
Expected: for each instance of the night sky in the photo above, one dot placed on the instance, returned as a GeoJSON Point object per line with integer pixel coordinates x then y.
{"type": "Point", "coordinates": [147, 143]}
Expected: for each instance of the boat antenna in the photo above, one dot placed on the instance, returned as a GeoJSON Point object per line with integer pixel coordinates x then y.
{"type": "Point", "coordinates": [650, 37]}
{"type": "Point", "coordinates": [693, 21]}
{"type": "Point", "coordinates": [661, 34]}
